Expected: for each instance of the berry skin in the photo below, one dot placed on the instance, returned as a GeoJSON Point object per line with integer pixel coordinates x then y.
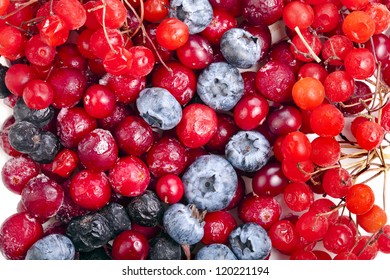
{"type": "Point", "coordinates": [373, 220]}
{"type": "Point", "coordinates": [183, 224]}
{"type": "Point", "coordinates": [220, 86]}
{"type": "Point", "coordinates": [248, 151]}
{"type": "Point", "coordinates": [240, 48]}
{"type": "Point", "coordinates": [159, 108]}
{"type": "Point", "coordinates": [262, 210]}
{"type": "Point", "coordinates": [197, 126]}
{"type": "Point", "coordinates": [90, 189]}
{"type": "Point", "coordinates": [298, 196]}
{"type": "Point", "coordinates": [164, 248]}
{"type": "Point", "coordinates": [218, 226]}
{"type": "Point", "coordinates": [24, 137]}
{"type": "Point", "coordinates": [369, 135]}
{"type": "Point", "coordinates": [17, 171]}
{"type": "Point", "coordinates": [146, 209]}
{"type": "Point", "coordinates": [215, 252]}
{"type": "Point", "coordinates": [17, 234]}
{"type": "Point", "coordinates": [210, 183]}
{"type": "Point", "coordinates": [170, 188]}
{"type": "Point", "coordinates": [129, 176]}
{"type": "Point", "coordinates": [250, 242]}
{"type": "Point", "coordinates": [130, 245]}
{"type": "Point", "coordinates": [359, 199]}
{"type": "Point", "coordinates": [98, 150]}
{"type": "Point", "coordinates": [196, 15]}
{"type": "Point", "coordinates": [52, 247]}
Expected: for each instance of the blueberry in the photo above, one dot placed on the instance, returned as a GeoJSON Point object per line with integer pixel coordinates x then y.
{"type": "Point", "coordinates": [117, 217]}
{"type": "Point", "coordinates": [196, 14]}
{"type": "Point", "coordinates": [96, 254]}
{"type": "Point", "coordinates": [4, 92]}
{"type": "Point", "coordinates": [52, 247]}
{"type": "Point", "coordinates": [47, 149]}
{"type": "Point", "coordinates": [250, 242]}
{"type": "Point", "coordinates": [210, 183]}
{"type": "Point", "coordinates": [25, 137]}
{"type": "Point", "coordinates": [240, 48]}
{"type": "Point", "coordinates": [159, 108]}
{"type": "Point", "coordinates": [248, 151]}
{"type": "Point", "coordinates": [146, 210]}
{"type": "Point", "coordinates": [184, 224]}
{"type": "Point", "coordinates": [220, 86]}
{"type": "Point", "coordinates": [164, 248]}
{"type": "Point", "coordinates": [38, 117]}
{"type": "Point", "coordinates": [89, 232]}
{"type": "Point", "coordinates": [215, 252]}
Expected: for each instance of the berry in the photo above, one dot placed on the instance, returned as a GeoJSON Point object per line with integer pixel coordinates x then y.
{"type": "Point", "coordinates": [159, 108]}
{"type": "Point", "coordinates": [183, 224]}
{"type": "Point", "coordinates": [210, 183]}
{"type": "Point", "coordinates": [169, 188]}
{"type": "Point", "coordinates": [248, 151]}
{"type": "Point", "coordinates": [215, 252]}
{"type": "Point", "coordinates": [130, 245]}
{"type": "Point", "coordinates": [250, 242]}
{"type": "Point", "coordinates": [359, 199]}
{"type": "Point", "coordinates": [220, 86]}
{"type": "Point", "coordinates": [164, 248]}
{"type": "Point", "coordinates": [218, 226]}
{"type": "Point", "coordinates": [146, 209]}
{"type": "Point", "coordinates": [52, 247]}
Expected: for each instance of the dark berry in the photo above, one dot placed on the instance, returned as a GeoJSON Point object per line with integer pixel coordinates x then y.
{"type": "Point", "coordinates": [25, 137]}
{"type": "Point", "coordinates": [117, 217]}
{"type": "Point", "coordinates": [48, 148]}
{"type": "Point", "coordinates": [146, 209]}
{"type": "Point", "coordinates": [164, 248]}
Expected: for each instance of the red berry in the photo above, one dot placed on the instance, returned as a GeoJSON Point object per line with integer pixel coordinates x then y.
{"type": "Point", "coordinates": [218, 226]}
{"type": "Point", "coordinates": [130, 245]}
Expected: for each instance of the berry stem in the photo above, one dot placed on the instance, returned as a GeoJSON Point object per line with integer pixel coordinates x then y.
{"type": "Point", "coordinates": [312, 53]}
{"type": "Point", "coordinates": [105, 28]}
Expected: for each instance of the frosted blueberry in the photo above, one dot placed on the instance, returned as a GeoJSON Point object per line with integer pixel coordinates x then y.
{"type": "Point", "coordinates": [250, 242]}
{"type": "Point", "coordinates": [184, 224]}
{"type": "Point", "coordinates": [196, 14]}
{"type": "Point", "coordinates": [52, 247]}
{"type": "Point", "coordinates": [210, 183]}
{"type": "Point", "coordinates": [240, 48]}
{"type": "Point", "coordinates": [215, 252]}
{"type": "Point", "coordinates": [220, 86]}
{"type": "Point", "coordinates": [248, 151]}
{"type": "Point", "coordinates": [159, 108]}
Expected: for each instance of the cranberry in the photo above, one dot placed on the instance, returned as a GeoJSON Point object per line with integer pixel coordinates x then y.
{"type": "Point", "coordinates": [262, 210]}
{"type": "Point", "coordinates": [269, 180]}
{"type": "Point", "coordinates": [42, 197]}
{"type": "Point", "coordinates": [17, 234]}
{"type": "Point", "coordinates": [170, 188]}
{"type": "Point", "coordinates": [68, 85]}
{"type": "Point", "coordinates": [99, 101]}
{"type": "Point", "coordinates": [249, 78]}
{"type": "Point", "coordinates": [196, 53]}
{"type": "Point", "coordinates": [218, 226]}
{"type": "Point", "coordinates": [90, 189]}
{"type": "Point", "coordinates": [98, 150]}
{"type": "Point", "coordinates": [226, 128]}
{"type": "Point", "coordinates": [129, 176]}
{"type": "Point", "coordinates": [250, 111]}
{"type": "Point", "coordinates": [126, 87]}
{"type": "Point", "coordinates": [111, 122]}
{"type": "Point", "coordinates": [130, 245]}
{"type": "Point", "coordinates": [167, 156]}
{"type": "Point", "coordinates": [73, 125]}
{"type": "Point", "coordinates": [193, 154]}
{"type": "Point", "coordinates": [65, 163]}
{"type": "Point", "coordinates": [134, 136]}
{"type": "Point", "coordinates": [180, 80]}
{"type": "Point", "coordinates": [17, 171]}
{"type": "Point", "coordinates": [197, 126]}
{"type": "Point", "coordinates": [222, 22]}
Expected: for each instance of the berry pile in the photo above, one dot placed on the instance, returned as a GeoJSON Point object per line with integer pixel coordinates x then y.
{"type": "Point", "coordinates": [179, 129]}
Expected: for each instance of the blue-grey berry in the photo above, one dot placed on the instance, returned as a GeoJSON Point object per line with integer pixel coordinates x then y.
{"type": "Point", "coordinates": [210, 183]}
{"type": "Point", "coordinates": [184, 224]}
{"type": "Point", "coordinates": [215, 252]}
{"type": "Point", "coordinates": [220, 86]}
{"type": "Point", "coordinates": [250, 242]}
{"type": "Point", "coordinates": [248, 151]}
{"type": "Point", "coordinates": [196, 14]}
{"type": "Point", "coordinates": [240, 48]}
{"type": "Point", "coordinates": [52, 247]}
{"type": "Point", "coordinates": [159, 108]}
